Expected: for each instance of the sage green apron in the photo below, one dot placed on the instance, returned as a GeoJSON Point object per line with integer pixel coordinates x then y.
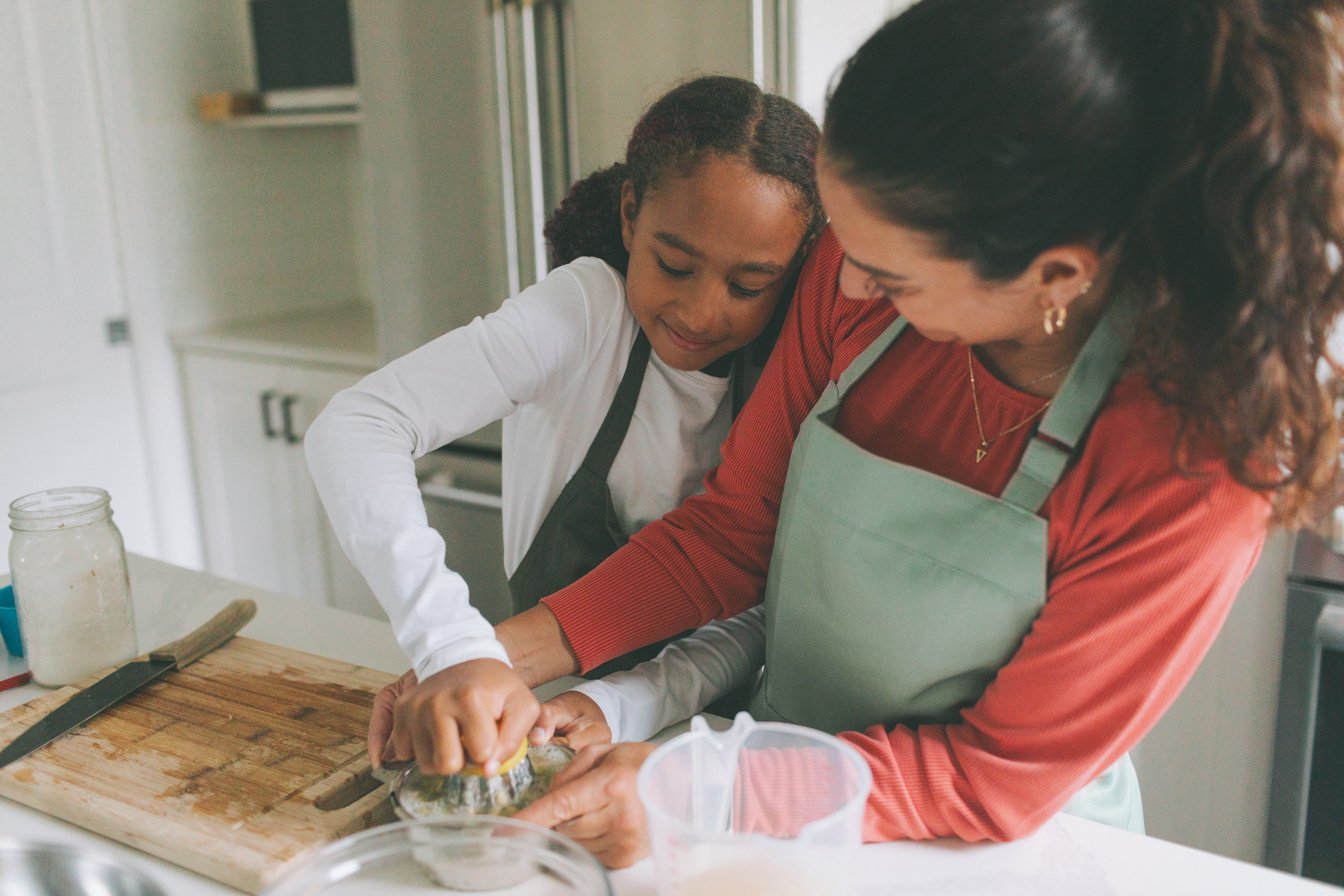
{"type": "Point", "coordinates": [894, 596]}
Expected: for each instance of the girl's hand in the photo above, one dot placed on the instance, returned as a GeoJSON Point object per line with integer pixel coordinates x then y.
{"type": "Point", "coordinates": [574, 719]}
{"type": "Point", "coordinates": [479, 710]}
{"type": "Point", "coordinates": [380, 723]}
{"type": "Point", "coordinates": [594, 802]}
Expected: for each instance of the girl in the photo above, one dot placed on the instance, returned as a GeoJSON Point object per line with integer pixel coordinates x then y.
{"type": "Point", "coordinates": [1056, 367]}
{"type": "Point", "coordinates": [614, 376]}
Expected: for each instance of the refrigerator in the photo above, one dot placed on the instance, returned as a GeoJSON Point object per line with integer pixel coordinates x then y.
{"type": "Point", "coordinates": [479, 114]}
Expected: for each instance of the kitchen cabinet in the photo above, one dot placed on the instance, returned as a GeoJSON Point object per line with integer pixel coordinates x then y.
{"type": "Point", "coordinates": [251, 392]}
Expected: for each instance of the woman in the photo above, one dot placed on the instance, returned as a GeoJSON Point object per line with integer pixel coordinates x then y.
{"type": "Point", "coordinates": [1043, 387]}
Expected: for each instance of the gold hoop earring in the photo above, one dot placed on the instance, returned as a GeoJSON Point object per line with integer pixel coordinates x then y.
{"type": "Point", "coordinates": [1055, 319]}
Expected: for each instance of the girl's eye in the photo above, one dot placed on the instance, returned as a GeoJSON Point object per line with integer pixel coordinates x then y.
{"type": "Point", "coordinates": [669, 270]}
{"type": "Point", "coordinates": [743, 292]}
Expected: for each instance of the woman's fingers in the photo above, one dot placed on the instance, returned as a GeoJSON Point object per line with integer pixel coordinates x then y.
{"type": "Point", "coordinates": [572, 793]}
{"type": "Point", "coordinates": [594, 801]}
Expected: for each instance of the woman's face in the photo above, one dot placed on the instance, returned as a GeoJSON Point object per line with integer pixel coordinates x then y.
{"type": "Point", "coordinates": [710, 256]}
{"type": "Point", "coordinates": [941, 297]}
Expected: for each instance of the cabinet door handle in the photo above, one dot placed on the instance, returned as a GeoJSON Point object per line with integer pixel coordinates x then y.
{"type": "Point", "coordinates": [267, 398]}
{"type": "Point", "coordinates": [287, 417]}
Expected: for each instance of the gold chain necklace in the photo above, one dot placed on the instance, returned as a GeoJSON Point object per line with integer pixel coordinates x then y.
{"type": "Point", "coordinates": [975, 402]}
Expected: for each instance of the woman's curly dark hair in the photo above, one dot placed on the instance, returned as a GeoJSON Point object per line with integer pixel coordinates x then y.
{"type": "Point", "coordinates": [1201, 138]}
{"type": "Point", "coordinates": [715, 114]}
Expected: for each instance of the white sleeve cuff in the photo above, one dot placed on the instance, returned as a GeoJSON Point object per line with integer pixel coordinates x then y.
{"type": "Point", "coordinates": [459, 652]}
{"type": "Point", "coordinates": [608, 699]}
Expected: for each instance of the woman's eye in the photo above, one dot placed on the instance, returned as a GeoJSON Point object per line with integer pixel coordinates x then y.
{"type": "Point", "coordinates": [888, 293]}
{"type": "Point", "coordinates": [744, 292]}
{"type": "Point", "coordinates": [669, 270]}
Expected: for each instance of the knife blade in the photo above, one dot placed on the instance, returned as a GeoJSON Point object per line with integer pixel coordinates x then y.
{"type": "Point", "coordinates": [128, 678]}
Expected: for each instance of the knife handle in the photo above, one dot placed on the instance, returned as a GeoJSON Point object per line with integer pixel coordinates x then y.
{"type": "Point", "coordinates": [221, 627]}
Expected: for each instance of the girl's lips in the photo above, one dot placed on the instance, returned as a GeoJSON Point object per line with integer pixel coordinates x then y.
{"type": "Point", "coordinates": [681, 342]}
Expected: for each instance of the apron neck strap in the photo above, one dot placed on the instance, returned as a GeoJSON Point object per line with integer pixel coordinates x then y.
{"type": "Point", "coordinates": [607, 442]}
{"type": "Point", "coordinates": [859, 366]}
{"type": "Point", "coordinates": [1065, 424]}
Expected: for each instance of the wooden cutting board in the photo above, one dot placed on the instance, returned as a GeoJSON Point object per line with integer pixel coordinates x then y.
{"type": "Point", "coordinates": [248, 757]}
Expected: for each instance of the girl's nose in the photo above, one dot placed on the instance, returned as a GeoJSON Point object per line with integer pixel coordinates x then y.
{"type": "Point", "coordinates": [700, 312]}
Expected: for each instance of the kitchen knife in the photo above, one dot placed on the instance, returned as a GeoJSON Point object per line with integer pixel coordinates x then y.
{"type": "Point", "coordinates": [126, 679]}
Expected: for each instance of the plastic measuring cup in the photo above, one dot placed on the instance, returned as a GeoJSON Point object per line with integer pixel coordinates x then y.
{"type": "Point", "coordinates": [763, 807]}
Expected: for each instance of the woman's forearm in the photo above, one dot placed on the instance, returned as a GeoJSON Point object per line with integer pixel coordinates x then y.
{"type": "Point", "coordinates": [537, 646]}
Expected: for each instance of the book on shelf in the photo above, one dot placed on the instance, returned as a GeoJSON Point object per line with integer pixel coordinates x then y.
{"type": "Point", "coordinates": [311, 99]}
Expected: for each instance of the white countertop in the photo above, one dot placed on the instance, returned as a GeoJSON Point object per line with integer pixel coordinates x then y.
{"type": "Point", "coordinates": [342, 335]}
{"type": "Point", "coordinates": [1067, 857]}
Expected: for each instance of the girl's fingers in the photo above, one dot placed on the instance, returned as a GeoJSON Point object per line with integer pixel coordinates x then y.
{"type": "Point", "coordinates": [380, 727]}
{"type": "Point", "coordinates": [515, 722]}
{"type": "Point", "coordinates": [544, 728]}
{"type": "Point", "coordinates": [588, 734]}
{"type": "Point", "coordinates": [438, 744]}
{"type": "Point", "coordinates": [479, 735]}
{"type": "Point", "coordinates": [403, 724]}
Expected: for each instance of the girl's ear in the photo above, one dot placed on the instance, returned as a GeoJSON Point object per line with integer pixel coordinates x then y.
{"type": "Point", "coordinates": [628, 209]}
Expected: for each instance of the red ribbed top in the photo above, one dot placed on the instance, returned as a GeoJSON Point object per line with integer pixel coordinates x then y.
{"type": "Point", "coordinates": [1144, 564]}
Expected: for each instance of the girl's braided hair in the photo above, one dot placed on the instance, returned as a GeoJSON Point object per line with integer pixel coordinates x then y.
{"type": "Point", "coordinates": [715, 114]}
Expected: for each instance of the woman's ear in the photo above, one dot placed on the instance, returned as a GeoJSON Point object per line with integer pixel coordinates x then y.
{"type": "Point", "coordinates": [1064, 274]}
{"type": "Point", "coordinates": [629, 207]}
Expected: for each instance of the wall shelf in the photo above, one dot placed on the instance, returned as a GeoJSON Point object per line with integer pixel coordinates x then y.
{"type": "Point", "coordinates": [294, 119]}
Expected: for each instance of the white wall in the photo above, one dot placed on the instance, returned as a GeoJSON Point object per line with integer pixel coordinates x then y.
{"type": "Point", "coordinates": [823, 36]}
{"type": "Point", "coordinates": [214, 223]}
{"type": "Point", "coordinates": [232, 222]}
{"type": "Point", "coordinates": [69, 405]}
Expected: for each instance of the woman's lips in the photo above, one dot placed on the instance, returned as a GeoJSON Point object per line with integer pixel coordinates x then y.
{"type": "Point", "coordinates": [684, 343]}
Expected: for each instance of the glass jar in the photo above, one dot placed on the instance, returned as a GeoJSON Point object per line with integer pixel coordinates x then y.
{"type": "Point", "coordinates": [71, 585]}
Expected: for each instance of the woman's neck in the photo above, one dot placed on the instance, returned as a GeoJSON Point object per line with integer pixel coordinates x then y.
{"type": "Point", "coordinates": [1038, 365]}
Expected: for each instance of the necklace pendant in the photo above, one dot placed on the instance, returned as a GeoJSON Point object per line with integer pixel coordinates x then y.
{"type": "Point", "coordinates": [981, 452]}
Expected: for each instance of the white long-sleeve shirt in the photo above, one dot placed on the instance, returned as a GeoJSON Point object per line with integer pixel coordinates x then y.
{"type": "Point", "coordinates": [548, 363]}
{"type": "Point", "coordinates": [685, 677]}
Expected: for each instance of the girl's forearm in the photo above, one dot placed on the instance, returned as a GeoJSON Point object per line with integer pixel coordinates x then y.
{"type": "Point", "coordinates": [537, 646]}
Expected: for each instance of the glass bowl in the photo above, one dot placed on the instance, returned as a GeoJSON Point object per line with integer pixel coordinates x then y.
{"type": "Point", "coordinates": [475, 854]}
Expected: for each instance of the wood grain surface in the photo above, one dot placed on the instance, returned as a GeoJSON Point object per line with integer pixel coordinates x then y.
{"type": "Point", "coordinates": [230, 767]}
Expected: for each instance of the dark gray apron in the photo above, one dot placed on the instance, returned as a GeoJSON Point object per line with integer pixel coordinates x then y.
{"type": "Point", "coordinates": [894, 596]}
{"type": "Point", "coordinates": [582, 528]}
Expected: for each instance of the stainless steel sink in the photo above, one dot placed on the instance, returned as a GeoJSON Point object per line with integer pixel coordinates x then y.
{"type": "Point", "coordinates": [49, 869]}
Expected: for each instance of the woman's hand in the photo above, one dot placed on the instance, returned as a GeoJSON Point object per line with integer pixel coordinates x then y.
{"type": "Point", "coordinates": [594, 802]}
{"type": "Point", "coordinates": [479, 710]}
{"type": "Point", "coordinates": [575, 719]}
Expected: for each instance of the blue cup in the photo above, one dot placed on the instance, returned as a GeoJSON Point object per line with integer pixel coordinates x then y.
{"type": "Point", "coordinates": [9, 622]}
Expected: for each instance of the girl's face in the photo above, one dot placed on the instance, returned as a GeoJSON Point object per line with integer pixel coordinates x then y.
{"type": "Point", "coordinates": [710, 256]}
{"type": "Point", "coordinates": [941, 297]}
